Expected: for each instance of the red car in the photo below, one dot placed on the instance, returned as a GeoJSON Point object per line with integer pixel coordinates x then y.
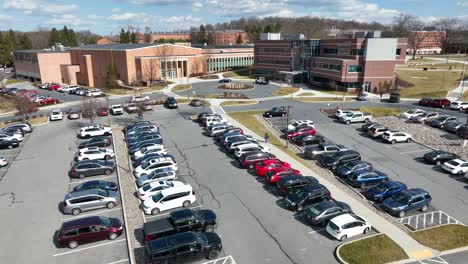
{"type": "Point", "coordinates": [441, 103]}
{"type": "Point", "coordinates": [261, 168]}
{"type": "Point", "coordinates": [273, 176]}
{"type": "Point", "coordinates": [103, 111]}
{"type": "Point", "coordinates": [48, 100]}
{"type": "Point", "coordinates": [302, 131]}
{"type": "Point", "coordinates": [54, 87]}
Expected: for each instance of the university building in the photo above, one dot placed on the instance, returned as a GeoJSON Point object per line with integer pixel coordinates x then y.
{"type": "Point", "coordinates": [88, 65]}
{"type": "Point", "coordinates": [429, 42]}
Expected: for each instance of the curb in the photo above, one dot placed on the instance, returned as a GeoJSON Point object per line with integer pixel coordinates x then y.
{"type": "Point", "coordinates": [42, 124]}
{"type": "Point", "coordinates": [337, 249]}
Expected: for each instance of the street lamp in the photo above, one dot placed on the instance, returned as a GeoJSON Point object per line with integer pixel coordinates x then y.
{"type": "Point", "coordinates": [287, 124]}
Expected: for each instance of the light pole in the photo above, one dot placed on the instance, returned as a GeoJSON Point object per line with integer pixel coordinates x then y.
{"type": "Point", "coordinates": [188, 89]}
{"type": "Point", "coordinates": [287, 124]}
{"type": "Point", "coordinates": [108, 106]}
{"type": "Point", "coordinates": [463, 77]}
{"type": "Point", "coordinates": [345, 79]}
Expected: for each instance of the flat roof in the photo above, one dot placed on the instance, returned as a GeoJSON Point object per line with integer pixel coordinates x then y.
{"type": "Point", "coordinates": [42, 51]}
{"type": "Point", "coordinates": [116, 46]}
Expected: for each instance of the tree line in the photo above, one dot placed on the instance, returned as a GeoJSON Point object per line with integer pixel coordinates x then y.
{"type": "Point", "coordinates": [11, 41]}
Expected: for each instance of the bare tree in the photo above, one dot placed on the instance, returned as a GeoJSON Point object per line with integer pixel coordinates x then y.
{"type": "Point", "coordinates": [402, 24]}
{"type": "Point", "coordinates": [415, 41]}
{"type": "Point", "coordinates": [165, 53]}
{"type": "Point", "coordinates": [89, 106]}
{"type": "Point", "coordinates": [24, 106]}
{"type": "Point", "coordinates": [151, 71]}
{"type": "Point", "coordinates": [194, 69]}
{"type": "Point", "coordinates": [449, 25]}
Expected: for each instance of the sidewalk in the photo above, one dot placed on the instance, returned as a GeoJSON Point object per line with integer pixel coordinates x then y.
{"type": "Point", "coordinates": [412, 248]}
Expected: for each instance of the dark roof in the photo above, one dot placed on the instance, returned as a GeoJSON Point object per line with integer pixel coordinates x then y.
{"type": "Point", "coordinates": [86, 221]}
{"type": "Point", "coordinates": [117, 46]}
{"type": "Point", "coordinates": [170, 241]}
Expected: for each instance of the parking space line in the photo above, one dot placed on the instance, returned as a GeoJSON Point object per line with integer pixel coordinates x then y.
{"type": "Point", "coordinates": [95, 246]}
{"type": "Point", "coordinates": [118, 261]}
{"type": "Point", "coordinates": [154, 216]}
{"type": "Point", "coordinates": [93, 178]}
{"type": "Point", "coordinates": [316, 231]}
{"type": "Point", "coordinates": [84, 215]}
{"type": "Point", "coordinates": [414, 151]}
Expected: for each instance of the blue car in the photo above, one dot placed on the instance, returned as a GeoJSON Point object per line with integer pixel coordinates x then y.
{"type": "Point", "coordinates": [357, 165]}
{"type": "Point", "coordinates": [363, 179]}
{"type": "Point", "coordinates": [406, 201]}
{"type": "Point", "coordinates": [384, 190]}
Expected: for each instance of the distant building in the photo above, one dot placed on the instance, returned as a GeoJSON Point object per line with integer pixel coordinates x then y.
{"type": "Point", "coordinates": [429, 43]}
{"type": "Point", "coordinates": [170, 35]}
{"type": "Point", "coordinates": [229, 37]}
{"type": "Point", "coordinates": [270, 36]}
{"type": "Point", "coordinates": [107, 40]}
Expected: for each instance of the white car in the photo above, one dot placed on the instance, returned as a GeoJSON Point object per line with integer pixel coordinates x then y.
{"type": "Point", "coordinates": [170, 198]}
{"type": "Point", "coordinates": [68, 88]}
{"type": "Point", "coordinates": [152, 188]}
{"type": "Point", "coordinates": [157, 175]}
{"type": "Point", "coordinates": [94, 131]}
{"type": "Point", "coordinates": [294, 125]}
{"type": "Point", "coordinates": [3, 161]}
{"type": "Point", "coordinates": [250, 147]}
{"type": "Point", "coordinates": [412, 113]}
{"type": "Point", "coordinates": [139, 99]}
{"type": "Point", "coordinates": [394, 136]}
{"type": "Point", "coordinates": [456, 166]}
{"type": "Point", "coordinates": [216, 122]}
{"type": "Point", "coordinates": [93, 93]}
{"type": "Point", "coordinates": [425, 117]}
{"type": "Point", "coordinates": [151, 165]}
{"type": "Point", "coordinates": [94, 153]}
{"type": "Point", "coordinates": [116, 109]}
{"type": "Point", "coordinates": [11, 136]}
{"type": "Point", "coordinates": [339, 113]}
{"type": "Point", "coordinates": [459, 105]}
{"type": "Point", "coordinates": [56, 114]}
{"type": "Point", "coordinates": [345, 226]}
{"type": "Point", "coordinates": [154, 149]}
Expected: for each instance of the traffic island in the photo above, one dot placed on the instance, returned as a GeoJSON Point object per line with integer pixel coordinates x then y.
{"type": "Point", "coordinates": [236, 86]}
{"type": "Point", "coordinates": [444, 237]}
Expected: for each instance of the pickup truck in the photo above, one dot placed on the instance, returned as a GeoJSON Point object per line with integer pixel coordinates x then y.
{"type": "Point", "coordinates": [131, 107]}
{"type": "Point", "coordinates": [355, 117]}
{"type": "Point", "coordinates": [261, 80]}
{"type": "Point", "coordinates": [180, 221]}
{"type": "Point", "coordinates": [313, 152]}
{"type": "Point", "coordinates": [116, 109]}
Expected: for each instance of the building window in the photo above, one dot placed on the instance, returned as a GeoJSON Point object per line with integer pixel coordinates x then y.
{"type": "Point", "coordinates": [330, 67]}
{"type": "Point", "coordinates": [354, 68]}
{"type": "Point", "coordinates": [330, 50]}
{"type": "Point", "coordinates": [358, 52]}
{"type": "Point", "coordinates": [398, 52]}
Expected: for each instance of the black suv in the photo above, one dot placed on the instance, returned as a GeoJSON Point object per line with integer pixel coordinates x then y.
{"type": "Point", "coordinates": [87, 168]}
{"type": "Point", "coordinates": [183, 247]}
{"type": "Point", "coordinates": [439, 157]}
{"type": "Point", "coordinates": [180, 221]}
{"type": "Point", "coordinates": [276, 111]}
{"type": "Point", "coordinates": [288, 184]}
{"type": "Point", "coordinates": [337, 159]}
{"type": "Point", "coordinates": [394, 98]}
{"type": "Point", "coordinates": [320, 213]}
{"type": "Point", "coordinates": [171, 103]}
{"type": "Point", "coordinates": [307, 196]}
{"type": "Point", "coordinates": [100, 142]}
{"type": "Point", "coordinates": [5, 143]}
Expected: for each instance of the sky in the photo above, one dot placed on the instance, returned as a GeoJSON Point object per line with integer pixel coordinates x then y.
{"type": "Point", "coordinates": [106, 17]}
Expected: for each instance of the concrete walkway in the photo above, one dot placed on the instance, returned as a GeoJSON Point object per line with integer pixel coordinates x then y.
{"type": "Point", "coordinates": [456, 93]}
{"type": "Point", "coordinates": [412, 248]}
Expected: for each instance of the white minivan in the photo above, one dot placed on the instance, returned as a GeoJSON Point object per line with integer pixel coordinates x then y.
{"type": "Point", "coordinates": [56, 115]}
{"type": "Point", "coordinates": [170, 198]}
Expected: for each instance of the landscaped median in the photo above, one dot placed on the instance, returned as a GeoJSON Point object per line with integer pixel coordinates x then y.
{"type": "Point", "coordinates": [237, 103]}
{"type": "Point", "coordinates": [285, 91]}
{"type": "Point", "coordinates": [322, 99]}
{"type": "Point", "coordinates": [377, 249]}
{"type": "Point", "coordinates": [382, 111]}
{"type": "Point", "coordinates": [181, 87]}
{"type": "Point", "coordinates": [444, 237]}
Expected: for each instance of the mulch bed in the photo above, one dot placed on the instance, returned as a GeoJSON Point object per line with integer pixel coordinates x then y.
{"type": "Point", "coordinates": [208, 77]}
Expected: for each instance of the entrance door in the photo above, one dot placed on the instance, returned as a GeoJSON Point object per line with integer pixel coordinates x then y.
{"type": "Point", "coordinates": [367, 87]}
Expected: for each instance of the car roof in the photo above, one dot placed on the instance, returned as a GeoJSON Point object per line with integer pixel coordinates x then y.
{"type": "Point", "coordinates": [83, 193]}
{"type": "Point", "coordinates": [165, 242]}
{"type": "Point", "coordinates": [415, 191]}
{"type": "Point", "coordinates": [176, 189]}
{"type": "Point", "coordinates": [344, 219]}
{"type": "Point", "coordinates": [85, 221]}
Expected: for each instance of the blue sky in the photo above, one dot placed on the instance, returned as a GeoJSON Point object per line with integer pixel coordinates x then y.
{"type": "Point", "coordinates": [108, 16]}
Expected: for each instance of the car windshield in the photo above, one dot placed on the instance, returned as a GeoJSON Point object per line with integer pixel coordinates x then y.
{"type": "Point", "coordinates": [201, 238]}
{"type": "Point", "coordinates": [156, 198]}
{"type": "Point", "coordinates": [146, 165]}
{"type": "Point", "coordinates": [146, 187]}
{"type": "Point", "coordinates": [411, 111]}
{"type": "Point", "coordinates": [313, 211]}
{"type": "Point", "coordinates": [301, 194]}
{"type": "Point", "coordinates": [381, 187]}
{"type": "Point", "coordinates": [105, 221]}
{"type": "Point", "coordinates": [453, 163]}
{"type": "Point", "coordinates": [401, 198]}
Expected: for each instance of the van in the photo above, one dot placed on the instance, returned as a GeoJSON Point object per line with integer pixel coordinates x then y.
{"type": "Point", "coordinates": [56, 115]}
{"type": "Point", "coordinates": [153, 164]}
{"type": "Point", "coordinates": [166, 173]}
{"type": "Point", "coordinates": [170, 198]}
{"type": "Point", "coordinates": [82, 201]}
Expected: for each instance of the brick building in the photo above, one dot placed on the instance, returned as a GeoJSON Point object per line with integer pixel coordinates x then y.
{"type": "Point", "coordinates": [229, 37]}
{"type": "Point", "coordinates": [429, 43]}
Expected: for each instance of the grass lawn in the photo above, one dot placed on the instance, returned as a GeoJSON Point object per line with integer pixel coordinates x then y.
{"type": "Point", "coordinates": [428, 83]}
{"type": "Point", "coordinates": [181, 87]}
{"type": "Point", "coordinates": [306, 94]}
{"type": "Point", "coordinates": [321, 99]}
{"type": "Point", "coordinates": [382, 111]}
{"type": "Point", "coordinates": [33, 121]}
{"type": "Point", "coordinates": [443, 237]}
{"type": "Point", "coordinates": [11, 81]}
{"type": "Point", "coordinates": [244, 73]}
{"type": "Point", "coordinates": [285, 91]}
{"type": "Point", "coordinates": [465, 96]}
{"type": "Point", "coordinates": [6, 105]}
{"type": "Point", "coordinates": [121, 91]}
{"type": "Point", "coordinates": [225, 103]}
{"type": "Point", "coordinates": [373, 250]}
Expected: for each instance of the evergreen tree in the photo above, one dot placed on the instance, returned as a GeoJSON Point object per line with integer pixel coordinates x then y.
{"type": "Point", "coordinates": [124, 36]}
{"type": "Point", "coordinates": [11, 37]}
{"type": "Point", "coordinates": [64, 36]}
{"type": "Point", "coordinates": [24, 42]}
{"type": "Point", "coordinates": [72, 38]}
{"type": "Point", "coordinates": [201, 36]}
{"type": "Point", "coordinates": [5, 57]}
{"type": "Point", "coordinates": [133, 38]}
{"type": "Point", "coordinates": [239, 39]}
{"type": "Point", "coordinates": [54, 37]}
{"type": "Point", "coordinates": [210, 39]}
{"type": "Point", "coordinates": [111, 76]}
{"type": "Point", "coordinates": [267, 29]}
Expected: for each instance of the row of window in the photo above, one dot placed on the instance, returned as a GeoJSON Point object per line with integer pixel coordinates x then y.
{"type": "Point", "coordinates": [272, 61]}
{"type": "Point", "coordinates": [330, 67]}
{"type": "Point", "coordinates": [286, 50]}
{"type": "Point", "coordinates": [25, 57]}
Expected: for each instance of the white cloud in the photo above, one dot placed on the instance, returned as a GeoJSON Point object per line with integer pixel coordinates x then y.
{"type": "Point", "coordinates": [463, 4]}
{"type": "Point", "coordinates": [29, 7]}
{"type": "Point", "coordinates": [196, 6]}
{"type": "Point", "coordinates": [73, 20]}
{"type": "Point", "coordinates": [116, 10]}
{"type": "Point", "coordinates": [161, 23]}
{"type": "Point", "coordinates": [5, 17]}
{"type": "Point", "coordinates": [245, 7]}
{"type": "Point", "coordinates": [127, 16]}
{"type": "Point", "coordinates": [158, 2]}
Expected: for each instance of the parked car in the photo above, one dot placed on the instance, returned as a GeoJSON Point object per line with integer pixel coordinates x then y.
{"type": "Point", "coordinates": [196, 102]}
{"type": "Point", "coordinates": [43, 85]}
{"type": "Point", "coordinates": [452, 127]}
{"type": "Point", "coordinates": [351, 167]}
{"type": "Point", "coordinates": [53, 87]}
{"type": "Point", "coordinates": [339, 158]}
{"type": "Point", "coordinates": [268, 165]}
{"type": "Point", "coordinates": [179, 221]}
{"type": "Point", "coordinates": [91, 168]}
{"type": "Point", "coordinates": [101, 142]}
{"type": "Point", "coordinates": [313, 152]}
{"type": "Point", "coordinates": [361, 97]}
{"type": "Point", "coordinates": [154, 164]}
{"type": "Point", "coordinates": [82, 201]}
{"type": "Point", "coordinates": [46, 100]}
{"type": "Point", "coordinates": [276, 111]}
{"type": "Point", "coordinates": [93, 93]}
{"type": "Point", "coordinates": [116, 109]}
{"type": "Point", "coordinates": [3, 161]}
{"type": "Point", "coordinates": [97, 184]}
{"type": "Point", "coordinates": [56, 114]}
{"type": "Point", "coordinates": [183, 247]}
{"type": "Point", "coordinates": [439, 157]}
{"type": "Point", "coordinates": [272, 177]}
{"type": "Point", "coordinates": [139, 98]}
{"type": "Point", "coordinates": [406, 201]}
{"type": "Point", "coordinates": [459, 105]}
{"type": "Point", "coordinates": [225, 81]}
{"type": "Point", "coordinates": [443, 120]}
{"type": "Point", "coordinates": [250, 148]}
{"type": "Point", "coordinates": [302, 131]}
{"type": "Point", "coordinates": [72, 115]}
{"type": "Point", "coordinates": [248, 160]}
{"type": "Point", "coordinates": [171, 103]}
{"type": "Point", "coordinates": [291, 183]}
{"type": "Point", "coordinates": [143, 137]}
{"type": "Point", "coordinates": [339, 113]}
{"type": "Point", "coordinates": [141, 160]}
{"type": "Point", "coordinates": [4, 143]}
{"type": "Point", "coordinates": [152, 149]}
{"type": "Point", "coordinates": [366, 126]}
{"type": "Point", "coordinates": [102, 111]}
{"type": "Point", "coordinates": [131, 108]}
{"type": "Point", "coordinates": [377, 131]}
{"type": "Point", "coordinates": [94, 153]}
{"type": "Point", "coordinates": [12, 130]}
{"type": "Point", "coordinates": [456, 166]}
{"type": "Point", "coordinates": [307, 196]}
{"type": "Point", "coordinates": [94, 131]}
{"type": "Point", "coordinates": [141, 128]}
{"type": "Point", "coordinates": [345, 226]}
{"type": "Point", "coordinates": [394, 136]}
{"type": "Point", "coordinates": [154, 187]}
{"type": "Point", "coordinates": [165, 173]}
{"type": "Point", "coordinates": [426, 117]}
{"type": "Point", "coordinates": [87, 230]}
{"type": "Point", "coordinates": [11, 136]}
{"type": "Point", "coordinates": [364, 179]}
{"type": "Point", "coordinates": [321, 213]}
{"type": "Point", "coordinates": [384, 190]}
{"type": "Point", "coordinates": [298, 123]}
{"type": "Point", "coordinates": [441, 103]}
{"type": "Point", "coordinates": [170, 198]}
{"type": "Point", "coordinates": [356, 117]}
{"type": "Point", "coordinates": [305, 140]}
{"type": "Point", "coordinates": [25, 127]}
{"type": "Point", "coordinates": [394, 98]}
{"type": "Point", "coordinates": [425, 101]}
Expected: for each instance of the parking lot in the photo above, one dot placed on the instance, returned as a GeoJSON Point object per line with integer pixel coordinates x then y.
{"type": "Point", "coordinates": [32, 190]}
{"type": "Point", "coordinates": [401, 162]}
{"type": "Point", "coordinates": [11, 155]}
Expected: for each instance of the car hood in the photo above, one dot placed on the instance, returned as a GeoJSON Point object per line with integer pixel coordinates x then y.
{"type": "Point", "coordinates": [391, 203]}
{"type": "Point", "coordinates": [213, 238]}
{"type": "Point", "coordinates": [115, 223]}
{"type": "Point", "coordinates": [207, 214]}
